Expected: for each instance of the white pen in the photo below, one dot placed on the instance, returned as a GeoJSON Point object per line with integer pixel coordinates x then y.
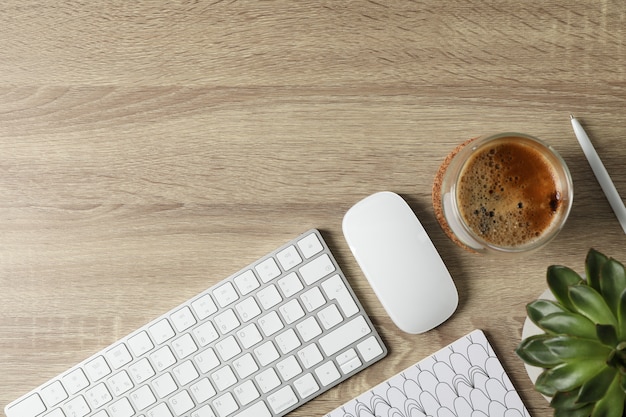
{"type": "Point", "coordinates": [600, 172]}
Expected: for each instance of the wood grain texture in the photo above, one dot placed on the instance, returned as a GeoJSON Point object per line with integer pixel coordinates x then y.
{"type": "Point", "coordinates": [150, 149]}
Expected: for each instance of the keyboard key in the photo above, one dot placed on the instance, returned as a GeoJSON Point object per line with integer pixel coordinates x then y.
{"type": "Point", "coordinates": [141, 370]}
{"type": "Point", "coordinates": [313, 299]}
{"type": "Point", "coordinates": [310, 245]}
{"type": "Point", "coordinates": [246, 393]}
{"type": "Point", "coordinates": [306, 386]}
{"type": "Point", "coordinates": [267, 270]}
{"type": "Point", "coordinates": [31, 406]}
{"type": "Point", "coordinates": [266, 353]}
{"type": "Point", "coordinates": [58, 412]}
{"type": "Point", "coordinates": [343, 336]}
{"type": "Point", "coordinates": [249, 336]}
{"type": "Point", "coordinates": [291, 311]}
{"type": "Point", "coordinates": [290, 284]}
{"type": "Point", "coordinates": [53, 394]}
{"type": "Point", "coordinates": [160, 410]}
{"type": "Point", "coordinates": [98, 396]}
{"type": "Point", "coordinates": [310, 356]}
{"type": "Point", "coordinates": [202, 390]}
{"type": "Point", "coordinates": [224, 378]}
{"type": "Point", "coordinates": [183, 319]}
{"type": "Point", "coordinates": [308, 329]}
{"type": "Point", "coordinates": [226, 321]}
{"type": "Point", "coordinates": [75, 381]}
{"type": "Point", "coordinates": [369, 348]}
{"type": "Point", "coordinates": [162, 358]}
{"type": "Point", "coordinates": [225, 405]}
{"type": "Point", "coordinates": [97, 369]}
{"type": "Point", "coordinates": [282, 399]}
{"type": "Point", "coordinates": [287, 341]}
{"type": "Point", "coordinates": [121, 408]}
{"type": "Point", "coordinates": [185, 373]}
{"type": "Point", "coordinates": [118, 356]}
{"type": "Point", "coordinates": [269, 297]}
{"type": "Point", "coordinates": [142, 398]}
{"type": "Point", "coordinates": [270, 323]}
{"type": "Point", "coordinates": [204, 411]}
{"type": "Point", "coordinates": [289, 257]}
{"type": "Point", "coordinates": [246, 282]}
{"type": "Point", "coordinates": [327, 373]}
{"type": "Point", "coordinates": [181, 403]}
{"type": "Point", "coordinates": [225, 294]}
{"type": "Point", "coordinates": [227, 348]}
{"type": "Point", "coordinates": [206, 333]}
{"type": "Point", "coordinates": [120, 383]}
{"type": "Point", "coordinates": [335, 289]}
{"type": "Point", "coordinates": [288, 368]}
{"type": "Point", "coordinates": [206, 360]}
{"type": "Point", "coordinates": [184, 346]}
{"type": "Point", "coordinates": [257, 410]}
{"type": "Point", "coordinates": [248, 309]}
{"type": "Point", "coordinates": [204, 306]}
{"type": "Point", "coordinates": [140, 344]}
{"type": "Point", "coordinates": [161, 331]}
{"type": "Point", "coordinates": [164, 385]}
{"type": "Point", "coordinates": [76, 407]}
{"type": "Point", "coordinates": [267, 380]}
{"type": "Point", "coordinates": [317, 269]}
{"type": "Point", "coordinates": [348, 361]}
{"type": "Point", "coordinates": [330, 316]}
{"type": "Point", "coordinates": [245, 366]}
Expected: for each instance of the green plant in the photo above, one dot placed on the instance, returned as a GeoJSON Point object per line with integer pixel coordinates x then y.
{"type": "Point", "coordinates": [583, 349]}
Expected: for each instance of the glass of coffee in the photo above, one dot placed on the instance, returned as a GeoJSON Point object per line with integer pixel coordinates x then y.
{"type": "Point", "coordinates": [506, 193]}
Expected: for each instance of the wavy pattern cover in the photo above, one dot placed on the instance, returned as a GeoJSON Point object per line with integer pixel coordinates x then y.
{"type": "Point", "coordinates": [464, 379]}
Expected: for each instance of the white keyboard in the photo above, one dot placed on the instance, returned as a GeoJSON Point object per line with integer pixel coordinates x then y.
{"type": "Point", "coordinates": [257, 344]}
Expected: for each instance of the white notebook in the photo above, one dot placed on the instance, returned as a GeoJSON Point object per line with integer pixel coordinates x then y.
{"type": "Point", "coordinates": [463, 379]}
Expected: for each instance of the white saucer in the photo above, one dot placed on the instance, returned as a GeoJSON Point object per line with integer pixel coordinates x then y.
{"type": "Point", "coordinates": [531, 329]}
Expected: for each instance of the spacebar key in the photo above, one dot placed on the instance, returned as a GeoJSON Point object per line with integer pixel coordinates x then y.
{"type": "Point", "coordinates": [344, 335]}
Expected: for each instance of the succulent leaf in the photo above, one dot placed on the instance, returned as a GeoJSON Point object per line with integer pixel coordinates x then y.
{"type": "Point", "coordinates": [578, 412]}
{"type": "Point", "coordinates": [570, 375]}
{"type": "Point", "coordinates": [593, 266]}
{"type": "Point", "coordinates": [570, 324]}
{"type": "Point", "coordinates": [612, 283]}
{"type": "Point", "coordinates": [544, 385]}
{"type": "Point", "coordinates": [607, 334]}
{"type": "Point", "coordinates": [534, 352]}
{"type": "Point", "coordinates": [621, 316]}
{"type": "Point", "coordinates": [612, 404]}
{"type": "Point", "coordinates": [596, 387]}
{"type": "Point", "coordinates": [568, 347]}
{"type": "Point", "coordinates": [539, 309]}
{"type": "Point", "coordinates": [567, 401]}
{"type": "Point", "coordinates": [560, 278]}
{"type": "Point", "coordinates": [590, 304]}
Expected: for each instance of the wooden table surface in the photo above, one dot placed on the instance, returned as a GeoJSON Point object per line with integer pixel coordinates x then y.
{"type": "Point", "coordinates": [151, 149]}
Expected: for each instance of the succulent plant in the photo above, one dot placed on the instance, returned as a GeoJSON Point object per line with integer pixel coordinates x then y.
{"type": "Point", "coordinates": [583, 349]}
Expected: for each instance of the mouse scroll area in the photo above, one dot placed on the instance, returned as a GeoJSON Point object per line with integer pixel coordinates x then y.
{"type": "Point", "coordinates": [400, 262]}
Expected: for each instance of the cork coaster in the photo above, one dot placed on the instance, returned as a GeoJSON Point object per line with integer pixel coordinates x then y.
{"type": "Point", "coordinates": [437, 206]}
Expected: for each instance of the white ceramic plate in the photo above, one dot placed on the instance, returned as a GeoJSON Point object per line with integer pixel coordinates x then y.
{"type": "Point", "coordinates": [531, 329]}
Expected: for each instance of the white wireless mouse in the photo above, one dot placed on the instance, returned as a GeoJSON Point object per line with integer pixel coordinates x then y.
{"type": "Point", "coordinates": [400, 262]}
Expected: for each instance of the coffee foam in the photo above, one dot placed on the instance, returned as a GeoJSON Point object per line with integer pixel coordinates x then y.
{"type": "Point", "coordinates": [508, 193]}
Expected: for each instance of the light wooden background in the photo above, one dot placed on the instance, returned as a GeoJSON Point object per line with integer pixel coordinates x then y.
{"type": "Point", "coordinates": [150, 149]}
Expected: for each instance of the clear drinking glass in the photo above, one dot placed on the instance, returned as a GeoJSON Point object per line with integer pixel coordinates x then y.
{"type": "Point", "coordinates": [505, 193]}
